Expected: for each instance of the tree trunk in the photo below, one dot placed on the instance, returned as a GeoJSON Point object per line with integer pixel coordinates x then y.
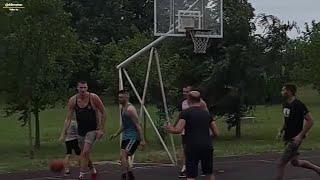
{"type": "Point", "coordinates": [144, 126]}
{"type": "Point", "coordinates": [37, 125]}
{"type": "Point", "coordinates": [31, 152]}
{"type": "Point", "coordinates": [238, 128]}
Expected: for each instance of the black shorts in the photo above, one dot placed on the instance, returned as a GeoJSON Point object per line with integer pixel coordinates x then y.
{"type": "Point", "coordinates": [130, 146]}
{"type": "Point", "coordinates": [73, 145]}
{"type": "Point", "coordinates": [196, 154]}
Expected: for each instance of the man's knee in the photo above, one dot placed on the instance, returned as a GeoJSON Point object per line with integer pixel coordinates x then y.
{"type": "Point", "coordinates": [282, 164]}
{"type": "Point", "coordinates": [85, 154]}
{"type": "Point", "coordinates": [86, 150]}
{"type": "Point", "coordinates": [124, 154]}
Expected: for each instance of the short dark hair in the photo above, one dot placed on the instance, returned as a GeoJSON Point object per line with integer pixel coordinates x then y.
{"type": "Point", "coordinates": [291, 87]}
{"type": "Point", "coordinates": [82, 82]}
{"type": "Point", "coordinates": [189, 86]}
{"type": "Point", "coordinates": [123, 91]}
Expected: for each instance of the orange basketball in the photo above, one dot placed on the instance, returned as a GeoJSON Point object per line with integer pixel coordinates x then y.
{"type": "Point", "coordinates": [56, 166]}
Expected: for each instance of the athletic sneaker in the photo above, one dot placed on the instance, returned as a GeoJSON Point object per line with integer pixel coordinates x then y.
{"type": "Point", "coordinates": [124, 176]}
{"type": "Point", "coordinates": [183, 174]}
{"type": "Point", "coordinates": [66, 172]}
{"type": "Point", "coordinates": [94, 176]}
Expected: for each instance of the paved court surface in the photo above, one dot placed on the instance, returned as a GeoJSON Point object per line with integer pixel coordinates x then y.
{"type": "Point", "coordinates": [229, 168]}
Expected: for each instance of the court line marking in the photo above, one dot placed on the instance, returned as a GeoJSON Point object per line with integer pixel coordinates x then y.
{"type": "Point", "coordinates": [102, 172]}
{"type": "Point", "coordinates": [268, 161]}
{"type": "Point", "coordinates": [260, 160]}
{"type": "Point", "coordinates": [45, 177]}
{"type": "Point", "coordinates": [240, 161]}
{"type": "Point", "coordinates": [217, 162]}
{"type": "Point", "coordinates": [157, 165]}
{"type": "Point", "coordinates": [118, 163]}
{"type": "Point", "coordinates": [149, 167]}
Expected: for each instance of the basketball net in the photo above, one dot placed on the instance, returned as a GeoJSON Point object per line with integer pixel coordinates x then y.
{"type": "Point", "coordinates": [200, 44]}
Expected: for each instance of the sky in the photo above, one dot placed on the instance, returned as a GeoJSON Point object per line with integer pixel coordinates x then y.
{"type": "Point", "coordinates": [300, 11]}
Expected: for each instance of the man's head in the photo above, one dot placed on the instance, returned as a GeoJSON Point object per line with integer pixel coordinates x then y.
{"type": "Point", "coordinates": [186, 90]}
{"type": "Point", "coordinates": [289, 90]}
{"type": "Point", "coordinates": [194, 97]}
{"type": "Point", "coordinates": [123, 96]}
{"type": "Point", "coordinates": [82, 87]}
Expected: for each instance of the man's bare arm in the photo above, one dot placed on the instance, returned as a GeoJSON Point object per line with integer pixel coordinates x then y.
{"type": "Point", "coordinates": [120, 130]}
{"type": "Point", "coordinates": [283, 127]}
{"type": "Point", "coordinates": [101, 108]}
{"type": "Point", "coordinates": [178, 128]}
{"type": "Point", "coordinates": [135, 118]}
{"type": "Point", "coordinates": [214, 128]}
{"type": "Point", "coordinates": [281, 131]}
{"type": "Point", "coordinates": [307, 125]}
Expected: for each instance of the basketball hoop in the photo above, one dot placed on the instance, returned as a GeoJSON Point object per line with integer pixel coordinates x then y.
{"type": "Point", "coordinates": [200, 39]}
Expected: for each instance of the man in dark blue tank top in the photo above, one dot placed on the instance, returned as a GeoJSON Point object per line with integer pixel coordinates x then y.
{"type": "Point", "coordinates": [91, 116]}
{"type": "Point", "coordinates": [131, 131]}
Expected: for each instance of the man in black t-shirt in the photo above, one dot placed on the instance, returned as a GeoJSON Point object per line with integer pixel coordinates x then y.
{"type": "Point", "coordinates": [198, 144]}
{"type": "Point", "coordinates": [297, 123]}
{"type": "Point", "coordinates": [181, 107]}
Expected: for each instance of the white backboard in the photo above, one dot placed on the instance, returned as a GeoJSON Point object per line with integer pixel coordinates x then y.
{"type": "Point", "coordinates": [171, 17]}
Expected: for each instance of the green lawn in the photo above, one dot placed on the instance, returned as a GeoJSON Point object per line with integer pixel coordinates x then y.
{"type": "Point", "coordinates": [258, 137]}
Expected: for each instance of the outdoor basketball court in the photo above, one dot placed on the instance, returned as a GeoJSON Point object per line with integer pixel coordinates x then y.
{"type": "Point", "coordinates": [200, 21]}
{"type": "Point", "coordinates": [230, 168]}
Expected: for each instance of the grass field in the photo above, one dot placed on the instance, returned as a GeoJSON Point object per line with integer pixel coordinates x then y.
{"type": "Point", "coordinates": [258, 137]}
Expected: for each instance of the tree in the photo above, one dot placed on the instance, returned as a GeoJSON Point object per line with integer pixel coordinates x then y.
{"type": "Point", "coordinates": [36, 69]}
{"type": "Point", "coordinates": [305, 70]}
{"type": "Point", "coordinates": [98, 23]}
{"type": "Point", "coordinates": [229, 63]}
{"type": "Point", "coordinates": [313, 54]}
{"type": "Point", "coordinates": [278, 53]}
{"type": "Point", "coordinates": [113, 20]}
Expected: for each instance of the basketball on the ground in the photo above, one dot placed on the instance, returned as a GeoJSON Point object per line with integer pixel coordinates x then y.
{"type": "Point", "coordinates": [56, 165]}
